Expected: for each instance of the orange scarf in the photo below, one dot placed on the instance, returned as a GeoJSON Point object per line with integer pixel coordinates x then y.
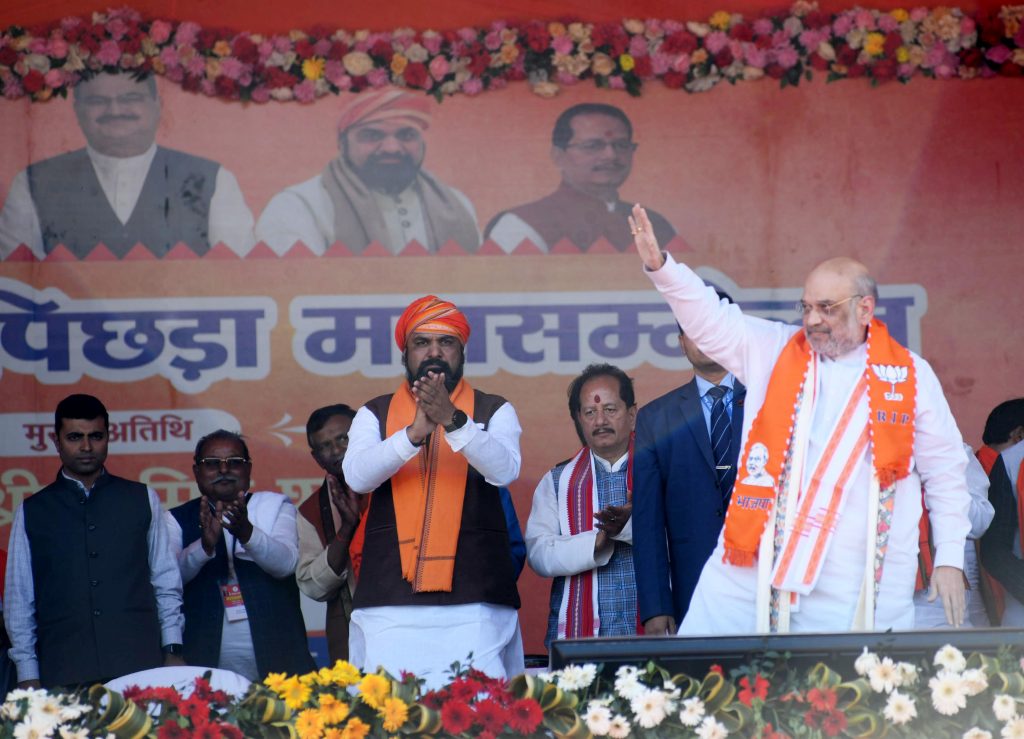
{"type": "Point", "coordinates": [428, 492]}
{"type": "Point", "coordinates": [892, 389]}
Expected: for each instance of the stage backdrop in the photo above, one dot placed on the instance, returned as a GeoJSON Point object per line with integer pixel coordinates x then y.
{"type": "Point", "coordinates": [922, 182]}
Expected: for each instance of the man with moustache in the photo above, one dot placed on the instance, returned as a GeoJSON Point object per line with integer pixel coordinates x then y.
{"type": "Point", "coordinates": [330, 550]}
{"type": "Point", "coordinates": [237, 553]}
{"type": "Point", "coordinates": [687, 442]}
{"type": "Point", "coordinates": [437, 582]}
{"type": "Point", "coordinates": [592, 145]}
{"type": "Point", "coordinates": [580, 528]}
{"type": "Point", "coordinates": [853, 425]}
{"type": "Point", "coordinates": [122, 189]}
{"type": "Point", "coordinates": [92, 591]}
{"type": "Point", "coordinates": [376, 190]}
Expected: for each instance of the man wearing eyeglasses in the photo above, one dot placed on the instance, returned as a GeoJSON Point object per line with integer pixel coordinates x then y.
{"type": "Point", "coordinates": [237, 552]}
{"type": "Point", "coordinates": [849, 426]}
{"type": "Point", "coordinates": [92, 592]}
{"type": "Point", "coordinates": [592, 144]}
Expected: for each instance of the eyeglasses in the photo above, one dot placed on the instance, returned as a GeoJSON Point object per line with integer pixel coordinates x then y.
{"type": "Point", "coordinates": [213, 464]}
{"type": "Point", "coordinates": [826, 309]}
{"type": "Point", "coordinates": [338, 442]}
{"type": "Point", "coordinates": [596, 146]}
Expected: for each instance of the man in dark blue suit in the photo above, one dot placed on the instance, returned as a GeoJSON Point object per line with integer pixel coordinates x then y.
{"type": "Point", "coordinates": [681, 491]}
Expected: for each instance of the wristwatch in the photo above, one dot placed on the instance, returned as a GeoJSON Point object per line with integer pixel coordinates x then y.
{"type": "Point", "coordinates": [175, 649]}
{"type": "Point", "coordinates": [459, 419]}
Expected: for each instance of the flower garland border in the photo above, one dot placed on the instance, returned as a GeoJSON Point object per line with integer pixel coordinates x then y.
{"type": "Point", "coordinates": [46, 60]}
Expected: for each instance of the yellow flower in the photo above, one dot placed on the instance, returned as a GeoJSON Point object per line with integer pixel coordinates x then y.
{"type": "Point", "coordinates": [398, 63]}
{"type": "Point", "coordinates": [275, 680]}
{"type": "Point", "coordinates": [333, 710]}
{"type": "Point", "coordinates": [374, 689]}
{"type": "Point", "coordinates": [902, 55]}
{"type": "Point", "coordinates": [313, 69]}
{"type": "Point", "coordinates": [900, 15]}
{"type": "Point", "coordinates": [222, 48]}
{"type": "Point", "coordinates": [309, 724]}
{"type": "Point", "coordinates": [874, 44]}
{"type": "Point", "coordinates": [626, 62]}
{"type": "Point", "coordinates": [294, 693]}
{"type": "Point", "coordinates": [355, 729]}
{"type": "Point", "coordinates": [345, 673]}
{"type": "Point", "coordinates": [720, 20]}
{"type": "Point", "coordinates": [333, 734]}
{"type": "Point", "coordinates": [394, 712]}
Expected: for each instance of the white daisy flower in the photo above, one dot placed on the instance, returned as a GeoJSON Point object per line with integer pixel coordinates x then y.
{"type": "Point", "coordinates": [30, 729]}
{"type": "Point", "coordinates": [900, 708]}
{"type": "Point", "coordinates": [650, 708]}
{"type": "Point", "coordinates": [598, 718]}
{"type": "Point", "coordinates": [976, 733]}
{"type": "Point", "coordinates": [865, 662]}
{"type": "Point", "coordinates": [950, 658]}
{"type": "Point", "coordinates": [1014, 729]}
{"type": "Point", "coordinates": [908, 673]}
{"type": "Point", "coordinates": [692, 712]}
{"type": "Point", "coordinates": [975, 681]}
{"type": "Point", "coordinates": [619, 728]}
{"type": "Point", "coordinates": [885, 676]}
{"type": "Point", "coordinates": [628, 685]}
{"type": "Point", "coordinates": [576, 677]}
{"type": "Point", "coordinates": [948, 693]}
{"type": "Point", "coordinates": [711, 729]}
{"type": "Point", "coordinates": [66, 733]}
{"type": "Point", "coordinates": [1004, 707]}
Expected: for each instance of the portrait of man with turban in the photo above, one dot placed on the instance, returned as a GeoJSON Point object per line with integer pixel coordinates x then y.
{"type": "Point", "coordinates": [376, 189]}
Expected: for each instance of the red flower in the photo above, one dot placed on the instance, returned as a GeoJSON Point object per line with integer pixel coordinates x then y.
{"type": "Point", "coordinates": [337, 51]}
{"type": "Point", "coordinates": [415, 74]}
{"type": "Point", "coordinates": [972, 57]}
{"type": "Point", "coordinates": [490, 715]}
{"type": "Point", "coordinates": [478, 64]}
{"type": "Point", "coordinates": [716, 668]}
{"type": "Point", "coordinates": [855, 71]}
{"type": "Point", "coordinates": [758, 690]}
{"type": "Point", "coordinates": [822, 699]}
{"type": "Point", "coordinates": [537, 37]}
{"type": "Point", "coordinates": [812, 719]}
{"type": "Point", "coordinates": [846, 56]}
{"type": "Point", "coordinates": [33, 81]}
{"type": "Point", "coordinates": [884, 70]}
{"type": "Point", "coordinates": [206, 38]}
{"type": "Point", "coordinates": [173, 730]}
{"type": "Point", "coordinates": [456, 717]}
{"type": "Point", "coordinates": [231, 731]}
{"type": "Point", "coordinates": [434, 699]}
{"type": "Point", "coordinates": [642, 67]}
{"type": "Point", "coordinates": [769, 732]}
{"type": "Point", "coordinates": [741, 32]}
{"type": "Point", "coordinates": [680, 42]}
{"type": "Point", "coordinates": [723, 58]}
{"type": "Point", "coordinates": [833, 723]}
{"type": "Point", "coordinates": [383, 49]}
{"type": "Point", "coordinates": [673, 80]}
{"type": "Point", "coordinates": [819, 62]}
{"type": "Point", "coordinates": [816, 19]}
{"type": "Point", "coordinates": [525, 715]}
{"type": "Point", "coordinates": [893, 41]}
{"type": "Point", "coordinates": [1010, 69]}
{"type": "Point", "coordinates": [195, 709]}
{"type": "Point", "coordinates": [775, 71]}
{"type": "Point", "coordinates": [464, 689]}
{"type": "Point", "coordinates": [207, 731]}
{"type": "Point", "coordinates": [243, 49]}
{"type": "Point", "coordinates": [8, 56]}
{"type": "Point", "coordinates": [226, 87]}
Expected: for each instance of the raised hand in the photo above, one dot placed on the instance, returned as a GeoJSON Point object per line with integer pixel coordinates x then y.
{"type": "Point", "coordinates": [646, 242]}
{"type": "Point", "coordinates": [209, 524]}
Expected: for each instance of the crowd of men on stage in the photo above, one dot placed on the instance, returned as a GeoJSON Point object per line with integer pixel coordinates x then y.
{"type": "Point", "coordinates": [786, 487]}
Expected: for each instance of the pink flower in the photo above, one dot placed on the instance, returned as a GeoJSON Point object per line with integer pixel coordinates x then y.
{"type": "Point", "coordinates": [810, 39]}
{"type": "Point", "coordinates": [638, 46]}
{"type": "Point", "coordinates": [887, 23]}
{"type": "Point", "coordinates": [918, 14]}
{"type": "Point", "coordinates": [196, 66]}
{"type": "Point", "coordinates": [186, 34]}
{"type": "Point", "coordinates": [616, 83]}
{"type": "Point", "coordinates": [562, 44]}
{"type": "Point", "coordinates": [231, 67]}
{"type": "Point", "coordinates": [842, 25]}
{"type": "Point", "coordinates": [116, 28]}
{"type": "Point", "coordinates": [780, 38]}
{"type": "Point", "coordinates": [321, 47]}
{"type": "Point", "coordinates": [432, 43]}
{"type": "Point", "coordinates": [70, 22]}
{"type": "Point", "coordinates": [54, 78]}
{"type": "Point", "coordinates": [109, 53]}
{"type": "Point", "coordinates": [305, 91]}
{"type": "Point", "coordinates": [334, 72]}
{"type": "Point", "coordinates": [260, 94]}
{"type": "Point", "coordinates": [282, 44]}
{"type": "Point", "coordinates": [864, 19]}
{"type": "Point", "coordinates": [57, 48]}
{"type": "Point", "coordinates": [208, 87]}
{"type": "Point", "coordinates": [473, 86]}
{"type": "Point", "coordinates": [13, 89]}
{"type": "Point", "coordinates": [378, 77]}
{"type": "Point", "coordinates": [438, 67]}
{"type": "Point", "coordinates": [754, 56]}
{"type": "Point", "coordinates": [160, 32]}
{"type": "Point", "coordinates": [715, 41]}
{"type": "Point", "coordinates": [906, 70]}
{"type": "Point", "coordinates": [998, 54]}
{"type": "Point", "coordinates": [175, 74]}
{"type": "Point", "coordinates": [763, 27]}
{"type": "Point", "coordinates": [468, 35]}
{"type": "Point", "coordinates": [169, 56]}
{"type": "Point", "coordinates": [934, 57]}
{"type": "Point", "coordinates": [265, 49]}
{"type": "Point", "coordinates": [493, 40]}
{"type": "Point", "coordinates": [37, 46]}
{"type": "Point", "coordinates": [671, 26]}
{"type": "Point", "coordinates": [564, 77]}
{"type": "Point", "coordinates": [787, 57]}
{"type": "Point", "coordinates": [681, 63]}
{"type": "Point", "coordinates": [660, 63]}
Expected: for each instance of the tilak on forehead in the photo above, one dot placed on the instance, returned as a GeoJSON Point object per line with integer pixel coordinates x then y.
{"type": "Point", "coordinates": [597, 398]}
{"type": "Point", "coordinates": [431, 315]}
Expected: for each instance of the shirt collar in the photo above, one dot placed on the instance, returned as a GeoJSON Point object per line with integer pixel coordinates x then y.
{"type": "Point", "coordinates": [610, 466]}
{"type": "Point", "coordinates": [81, 486]}
{"type": "Point", "coordinates": [104, 163]}
{"type": "Point", "coordinates": [704, 385]}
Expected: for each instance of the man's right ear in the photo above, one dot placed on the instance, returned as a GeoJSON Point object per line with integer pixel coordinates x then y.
{"type": "Point", "coordinates": [1017, 434]}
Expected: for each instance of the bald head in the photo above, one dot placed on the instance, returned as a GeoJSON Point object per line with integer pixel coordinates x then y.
{"type": "Point", "coordinates": [839, 303]}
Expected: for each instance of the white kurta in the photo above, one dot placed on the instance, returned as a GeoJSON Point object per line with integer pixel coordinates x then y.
{"type": "Point", "coordinates": [724, 601]}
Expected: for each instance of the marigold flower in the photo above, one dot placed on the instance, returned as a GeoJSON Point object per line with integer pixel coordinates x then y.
{"type": "Point", "coordinates": [874, 44]}
{"type": "Point", "coordinates": [720, 20]}
{"type": "Point", "coordinates": [313, 68]}
{"type": "Point", "coordinates": [627, 62]}
{"type": "Point", "coordinates": [332, 710]}
{"type": "Point", "coordinates": [899, 15]}
{"type": "Point", "coordinates": [394, 712]}
{"type": "Point", "coordinates": [902, 54]}
{"type": "Point", "coordinates": [345, 673]}
{"type": "Point", "coordinates": [355, 729]}
{"type": "Point", "coordinates": [294, 693]}
{"type": "Point", "coordinates": [374, 689]}
{"type": "Point", "coordinates": [309, 724]}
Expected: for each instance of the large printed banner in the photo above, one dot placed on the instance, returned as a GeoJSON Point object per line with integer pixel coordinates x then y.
{"type": "Point", "coordinates": [243, 307]}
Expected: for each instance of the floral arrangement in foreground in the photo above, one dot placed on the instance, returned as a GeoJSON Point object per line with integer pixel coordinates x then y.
{"type": "Point", "coordinates": [695, 55]}
{"type": "Point", "coordinates": [974, 697]}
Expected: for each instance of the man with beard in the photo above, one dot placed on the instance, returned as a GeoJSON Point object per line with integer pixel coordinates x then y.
{"type": "Point", "coordinates": [437, 584]}
{"type": "Point", "coordinates": [376, 190]}
{"type": "Point", "coordinates": [122, 189]}
{"type": "Point", "coordinates": [592, 144]}
{"type": "Point", "coordinates": [92, 591]}
{"type": "Point", "coordinates": [237, 553]}
{"type": "Point", "coordinates": [852, 426]}
{"type": "Point", "coordinates": [330, 550]}
{"type": "Point", "coordinates": [580, 530]}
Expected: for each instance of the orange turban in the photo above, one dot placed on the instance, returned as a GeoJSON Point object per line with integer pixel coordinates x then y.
{"type": "Point", "coordinates": [386, 104]}
{"type": "Point", "coordinates": [431, 315]}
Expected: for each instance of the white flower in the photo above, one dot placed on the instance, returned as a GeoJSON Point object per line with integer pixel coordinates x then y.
{"type": "Point", "coordinates": [865, 662]}
{"type": "Point", "coordinates": [711, 729]}
{"type": "Point", "coordinates": [1014, 729]}
{"type": "Point", "coordinates": [899, 709]}
{"type": "Point", "coordinates": [577, 677]}
{"type": "Point", "coordinates": [69, 734]}
{"type": "Point", "coordinates": [977, 733]}
{"type": "Point", "coordinates": [619, 728]}
{"type": "Point", "coordinates": [627, 683]}
{"type": "Point", "coordinates": [975, 681]}
{"type": "Point", "coordinates": [950, 658]}
{"type": "Point", "coordinates": [1004, 707]}
{"type": "Point", "coordinates": [31, 729]}
{"type": "Point", "coordinates": [650, 707]}
{"type": "Point", "coordinates": [908, 673]}
{"type": "Point", "coordinates": [692, 713]}
{"type": "Point", "coordinates": [948, 693]}
{"type": "Point", "coordinates": [885, 676]}
{"type": "Point", "coordinates": [598, 718]}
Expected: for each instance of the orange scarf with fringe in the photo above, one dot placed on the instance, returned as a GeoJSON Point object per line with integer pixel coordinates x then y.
{"type": "Point", "coordinates": [892, 386]}
{"type": "Point", "coordinates": [428, 492]}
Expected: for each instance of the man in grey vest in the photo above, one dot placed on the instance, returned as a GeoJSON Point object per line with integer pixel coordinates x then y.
{"type": "Point", "coordinates": [122, 189]}
{"type": "Point", "coordinates": [92, 589]}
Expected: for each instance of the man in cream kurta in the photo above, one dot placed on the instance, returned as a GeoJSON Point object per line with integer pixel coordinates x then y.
{"type": "Point", "coordinates": [838, 306]}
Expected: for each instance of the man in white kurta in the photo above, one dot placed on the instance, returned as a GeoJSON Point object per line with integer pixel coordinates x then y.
{"type": "Point", "coordinates": [838, 305]}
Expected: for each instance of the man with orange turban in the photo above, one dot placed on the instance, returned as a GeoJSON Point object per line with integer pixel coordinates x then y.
{"type": "Point", "coordinates": [437, 583]}
{"type": "Point", "coordinates": [376, 190]}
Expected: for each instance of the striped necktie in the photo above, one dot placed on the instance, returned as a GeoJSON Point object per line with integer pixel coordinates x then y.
{"type": "Point", "coordinates": [721, 440]}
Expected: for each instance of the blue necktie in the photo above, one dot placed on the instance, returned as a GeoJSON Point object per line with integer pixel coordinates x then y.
{"type": "Point", "coordinates": [721, 440]}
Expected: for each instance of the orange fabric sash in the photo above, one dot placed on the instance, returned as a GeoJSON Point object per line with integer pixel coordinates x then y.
{"type": "Point", "coordinates": [428, 492]}
{"type": "Point", "coordinates": [988, 456]}
{"type": "Point", "coordinates": [890, 424]}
